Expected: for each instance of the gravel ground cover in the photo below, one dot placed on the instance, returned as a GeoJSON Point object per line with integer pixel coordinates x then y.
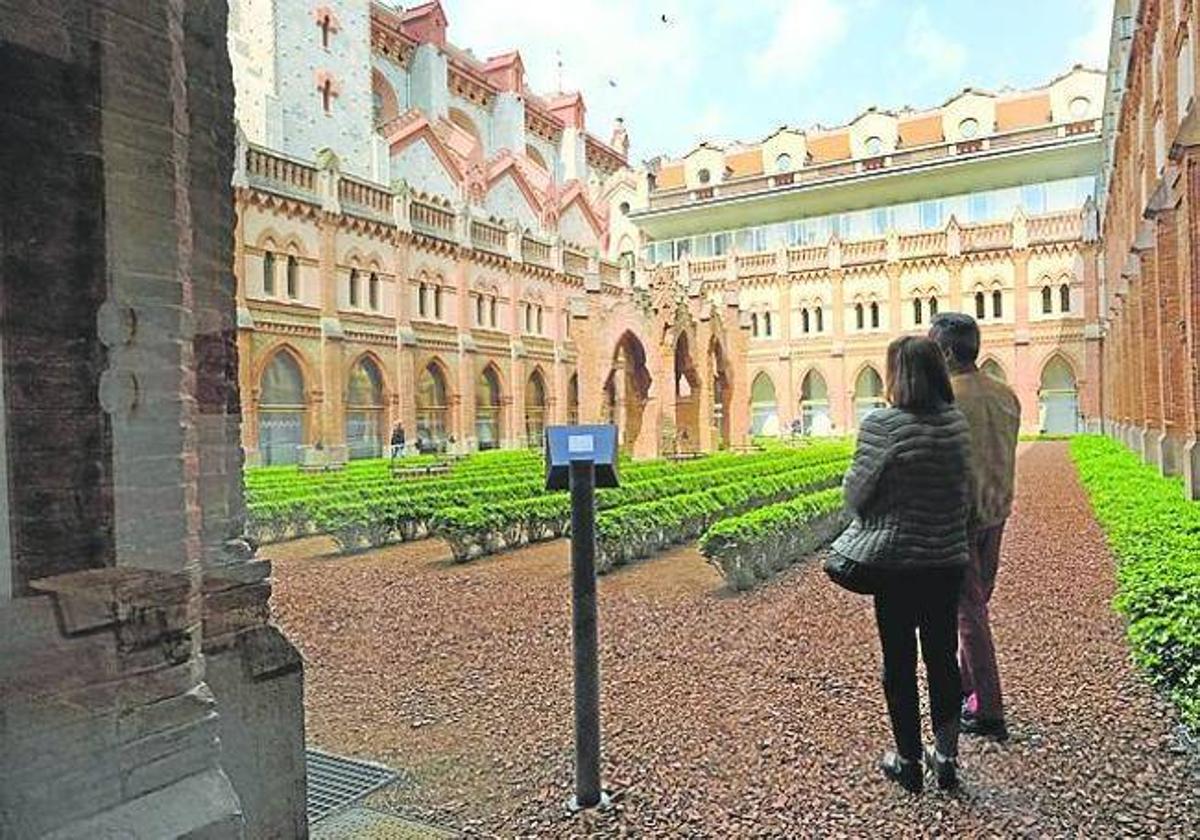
{"type": "Point", "coordinates": [726, 715]}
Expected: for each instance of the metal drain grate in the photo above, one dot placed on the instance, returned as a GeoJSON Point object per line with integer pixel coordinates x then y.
{"type": "Point", "coordinates": [335, 781]}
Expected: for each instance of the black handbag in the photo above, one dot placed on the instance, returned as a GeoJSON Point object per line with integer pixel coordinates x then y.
{"type": "Point", "coordinates": [850, 574]}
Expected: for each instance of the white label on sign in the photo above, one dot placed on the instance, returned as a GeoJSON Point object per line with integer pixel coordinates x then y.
{"type": "Point", "coordinates": [581, 444]}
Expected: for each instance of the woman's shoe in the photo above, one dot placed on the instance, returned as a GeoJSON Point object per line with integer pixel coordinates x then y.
{"type": "Point", "coordinates": [903, 772]}
{"type": "Point", "coordinates": [943, 769]}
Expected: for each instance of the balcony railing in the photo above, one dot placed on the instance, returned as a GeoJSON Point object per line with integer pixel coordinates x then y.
{"type": "Point", "coordinates": [574, 263]}
{"type": "Point", "coordinates": [277, 171]}
{"type": "Point", "coordinates": [356, 194]}
{"type": "Point", "coordinates": [487, 236]}
{"type": "Point", "coordinates": [431, 220]}
{"type": "Point", "coordinates": [535, 251]}
{"type": "Point", "coordinates": [991, 237]}
{"type": "Point", "coordinates": [902, 158]}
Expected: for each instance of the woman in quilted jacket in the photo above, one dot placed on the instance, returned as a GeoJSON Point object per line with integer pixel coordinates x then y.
{"type": "Point", "coordinates": [908, 489]}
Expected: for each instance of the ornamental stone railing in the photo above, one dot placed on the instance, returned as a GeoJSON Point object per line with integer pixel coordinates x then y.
{"type": "Point", "coordinates": [489, 236]}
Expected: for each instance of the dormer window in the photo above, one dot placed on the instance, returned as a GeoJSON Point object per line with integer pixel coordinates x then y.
{"type": "Point", "coordinates": [874, 146]}
{"type": "Point", "coordinates": [704, 176]}
{"type": "Point", "coordinates": [968, 129]}
{"type": "Point", "coordinates": [1079, 107]}
{"type": "Point", "coordinates": [783, 163]}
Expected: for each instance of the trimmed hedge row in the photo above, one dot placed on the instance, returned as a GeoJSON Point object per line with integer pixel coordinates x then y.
{"type": "Point", "coordinates": [1154, 532]}
{"type": "Point", "coordinates": [752, 547]}
{"type": "Point", "coordinates": [636, 531]}
{"type": "Point", "coordinates": [488, 527]}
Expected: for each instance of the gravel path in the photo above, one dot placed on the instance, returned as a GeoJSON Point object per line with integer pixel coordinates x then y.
{"type": "Point", "coordinates": [750, 715]}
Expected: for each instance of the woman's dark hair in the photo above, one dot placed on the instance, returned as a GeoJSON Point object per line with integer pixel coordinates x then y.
{"type": "Point", "coordinates": [917, 379]}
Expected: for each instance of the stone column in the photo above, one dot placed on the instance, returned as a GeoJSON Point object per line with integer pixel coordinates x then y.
{"type": "Point", "coordinates": [1191, 319]}
{"type": "Point", "coordinates": [737, 339]}
{"type": "Point", "coordinates": [788, 409]}
{"type": "Point", "coordinates": [1147, 326]}
{"type": "Point", "coordinates": [1025, 380]}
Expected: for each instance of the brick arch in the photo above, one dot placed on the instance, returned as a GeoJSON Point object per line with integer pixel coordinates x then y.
{"type": "Point", "coordinates": [389, 106]}
{"type": "Point", "coordinates": [265, 358]}
{"type": "Point", "coordinates": [385, 377]}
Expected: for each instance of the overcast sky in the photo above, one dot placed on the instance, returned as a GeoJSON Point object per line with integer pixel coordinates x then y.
{"type": "Point", "coordinates": [737, 69]}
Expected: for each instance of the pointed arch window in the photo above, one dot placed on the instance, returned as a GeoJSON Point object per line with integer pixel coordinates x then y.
{"type": "Point", "coordinates": [437, 302]}
{"type": "Point", "coordinates": [281, 410]}
{"type": "Point", "coordinates": [754, 324]}
{"type": "Point", "coordinates": [539, 320]}
{"type": "Point", "coordinates": [268, 273]}
{"type": "Point", "coordinates": [488, 409]}
{"type": "Point", "coordinates": [492, 312]}
{"type": "Point", "coordinates": [874, 315]}
{"type": "Point", "coordinates": [859, 323]}
{"type": "Point", "coordinates": [1064, 297]}
{"type": "Point", "coordinates": [373, 291]}
{"type": "Point", "coordinates": [1047, 300]}
{"type": "Point", "coordinates": [479, 307]}
{"type": "Point", "coordinates": [354, 292]}
{"type": "Point", "coordinates": [293, 277]}
{"type": "Point", "coordinates": [997, 304]}
{"type": "Point", "coordinates": [980, 305]}
{"type": "Point", "coordinates": [432, 409]}
{"type": "Point", "coordinates": [767, 324]}
{"type": "Point", "coordinates": [933, 306]}
{"type": "Point", "coordinates": [820, 318]}
{"type": "Point", "coordinates": [804, 320]}
{"type": "Point", "coordinates": [918, 311]}
{"type": "Point", "coordinates": [423, 300]}
{"type": "Point", "coordinates": [364, 410]}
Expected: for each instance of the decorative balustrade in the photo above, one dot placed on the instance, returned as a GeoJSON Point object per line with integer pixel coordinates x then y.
{"type": "Point", "coordinates": [574, 263]}
{"type": "Point", "coordinates": [374, 199]}
{"type": "Point", "coordinates": [987, 237]}
{"type": "Point", "coordinates": [1058, 227]}
{"type": "Point", "coordinates": [535, 251]}
{"type": "Point", "coordinates": [708, 269]}
{"type": "Point", "coordinates": [610, 273]}
{"type": "Point", "coordinates": [808, 258]}
{"type": "Point", "coordinates": [431, 219]}
{"type": "Point", "coordinates": [488, 236]}
{"type": "Point", "coordinates": [262, 165]}
{"type": "Point", "coordinates": [923, 244]}
{"type": "Point", "coordinates": [866, 251]}
{"type": "Point", "coordinates": [754, 264]}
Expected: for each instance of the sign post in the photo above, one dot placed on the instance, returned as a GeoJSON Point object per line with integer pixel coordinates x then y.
{"type": "Point", "coordinates": [582, 458]}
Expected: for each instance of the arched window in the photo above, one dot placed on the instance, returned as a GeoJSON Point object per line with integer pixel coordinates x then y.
{"type": "Point", "coordinates": [354, 287]}
{"type": "Point", "coordinates": [997, 304]}
{"type": "Point", "coordinates": [432, 409]}
{"type": "Point", "coordinates": [487, 409]}
{"type": "Point", "coordinates": [992, 368]}
{"type": "Point", "coordinates": [874, 315]}
{"type": "Point", "coordinates": [1047, 301]}
{"type": "Point", "coordinates": [527, 312]}
{"type": "Point", "coordinates": [535, 409]}
{"type": "Point", "coordinates": [933, 306]}
{"type": "Point", "coordinates": [873, 145]}
{"type": "Point", "coordinates": [783, 163]}
{"type": "Point", "coordinates": [573, 400]}
{"type": "Point", "coordinates": [754, 324]}
{"type": "Point", "coordinates": [764, 413]}
{"type": "Point", "coordinates": [423, 300]}
{"type": "Point", "coordinates": [492, 313]}
{"type": "Point", "coordinates": [373, 291]}
{"type": "Point", "coordinates": [364, 410]}
{"type": "Point", "coordinates": [268, 273]}
{"type": "Point", "coordinates": [281, 407]}
{"type": "Point", "coordinates": [858, 316]}
{"type": "Point", "coordinates": [1064, 298]}
{"type": "Point", "coordinates": [704, 176]}
{"type": "Point", "coordinates": [918, 310]}
{"type": "Point", "coordinates": [814, 405]}
{"type": "Point", "coordinates": [980, 305]}
{"type": "Point", "coordinates": [437, 302]}
{"type": "Point", "coordinates": [804, 320]}
{"type": "Point", "coordinates": [539, 320]}
{"type": "Point", "coordinates": [767, 324]}
{"type": "Point", "coordinates": [868, 393]}
{"type": "Point", "coordinates": [293, 277]}
{"type": "Point", "coordinates": [327, 95]}
{"type": "Point", "coordinates": [479, 322]}
{"type": "Point", "coordinates": [820, 318]}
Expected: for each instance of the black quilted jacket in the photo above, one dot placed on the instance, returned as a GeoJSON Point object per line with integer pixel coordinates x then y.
{"type": "Point", "coordinates": [909, 490]}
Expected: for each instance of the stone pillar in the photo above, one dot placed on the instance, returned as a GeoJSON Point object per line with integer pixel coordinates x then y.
{"type": "Point", "coordinates": [1191, 318]}
{"type": "Point", "coordinates": [786, 396]}
{"type": "Point", "coordinates": [1026, 381]}
{"type": "Point", "coordinates": [1147, 326]}
{"type": "Point", "coordinates": [706, 371]}
{"type": "Point", "coordinates": [737, 339]}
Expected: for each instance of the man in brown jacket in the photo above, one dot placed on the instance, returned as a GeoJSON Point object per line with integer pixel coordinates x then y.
{"type": "Point", "coordinates": [994, 416]}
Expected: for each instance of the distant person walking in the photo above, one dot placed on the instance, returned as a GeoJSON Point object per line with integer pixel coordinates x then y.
{"type": "Point", "coordinates": [909, 491]}
{"type": "Point", "coordinates": [994, 416]}
{"type": "Point", "coordinates": [397, 441]}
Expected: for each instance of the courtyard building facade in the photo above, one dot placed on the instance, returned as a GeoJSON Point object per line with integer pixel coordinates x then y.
{"type": "Point", "coordinates": [1149, 188]}
{"type": "Point", "coordinates": [836, 240]}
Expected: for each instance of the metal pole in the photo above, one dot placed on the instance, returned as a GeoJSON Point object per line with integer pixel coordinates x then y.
{"type": "Point", "coordinates": [587, 666]}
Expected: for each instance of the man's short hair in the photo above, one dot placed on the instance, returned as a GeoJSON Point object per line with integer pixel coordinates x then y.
{"type": "Point", "coordinates": [957, 334]}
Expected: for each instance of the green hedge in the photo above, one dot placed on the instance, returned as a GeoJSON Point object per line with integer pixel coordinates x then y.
{"type": "Point", "coordinates": [752, 547]}
{"type": "Point", "coordinates": [1154, 532]}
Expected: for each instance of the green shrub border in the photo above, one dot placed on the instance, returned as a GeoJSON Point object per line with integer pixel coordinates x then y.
{"type": "Point", "coordinates": [1154, 533]}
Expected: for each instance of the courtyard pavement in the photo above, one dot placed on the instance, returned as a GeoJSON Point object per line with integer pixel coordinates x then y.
{"type": "Point", "coordinates": [728, 715]}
